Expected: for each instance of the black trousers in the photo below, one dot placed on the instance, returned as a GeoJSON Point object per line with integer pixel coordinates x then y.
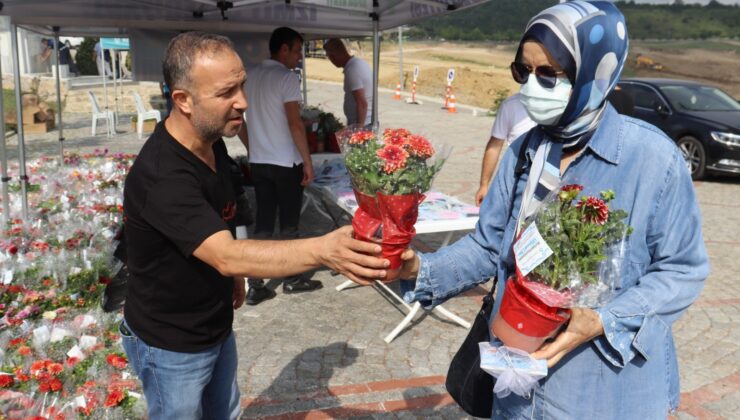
{"type": "Point", "coordinates": [279, 195]}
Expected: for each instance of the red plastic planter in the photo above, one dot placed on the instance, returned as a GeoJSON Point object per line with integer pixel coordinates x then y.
{"type": "Point", "coordinates": [523, 321]}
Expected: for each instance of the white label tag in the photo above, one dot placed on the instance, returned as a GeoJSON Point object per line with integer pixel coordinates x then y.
{"type": "Point", "coordinates": [7, 276]}
{"type": "Point", "coordinates": [530, 250]}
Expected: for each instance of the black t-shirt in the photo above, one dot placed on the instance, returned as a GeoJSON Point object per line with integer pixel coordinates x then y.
{"type": "Point", "coordinates": [172, 202]}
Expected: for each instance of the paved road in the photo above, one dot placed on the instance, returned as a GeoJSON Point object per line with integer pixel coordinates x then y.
{"type": "Point", "coordinates": [322, 355]}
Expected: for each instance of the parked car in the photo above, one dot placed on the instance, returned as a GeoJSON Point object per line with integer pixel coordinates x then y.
{"type": "Point", "coordinates": [703, 120]}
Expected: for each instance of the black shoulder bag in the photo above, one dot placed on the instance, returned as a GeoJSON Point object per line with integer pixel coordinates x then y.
{"type": "Point", "coordinates": [469, 385]}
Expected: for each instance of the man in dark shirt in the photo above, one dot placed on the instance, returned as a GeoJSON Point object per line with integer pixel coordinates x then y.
{"type": "Point", "coordinates": [186, 269]}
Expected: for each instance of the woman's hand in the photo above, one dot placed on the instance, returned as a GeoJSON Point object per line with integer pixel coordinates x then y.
{"type": "Point", "coordinates": [584, 325]}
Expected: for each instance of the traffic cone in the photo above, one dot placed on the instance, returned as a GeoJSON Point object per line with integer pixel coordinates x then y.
{"type": "Point", "coordinates": [451, 107]}
{"type": "Point", "coordinates": [397, 96]}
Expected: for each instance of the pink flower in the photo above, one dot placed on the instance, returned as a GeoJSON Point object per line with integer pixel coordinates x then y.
{"type": "Point", "coordinates": [394, 158]}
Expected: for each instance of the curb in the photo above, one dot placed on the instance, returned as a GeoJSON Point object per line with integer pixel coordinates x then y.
{"type": "Point", "coordinates": [476, 110]}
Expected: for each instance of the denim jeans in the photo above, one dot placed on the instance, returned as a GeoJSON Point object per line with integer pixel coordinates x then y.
{"type": "Point", "coordinates": [185, 386]}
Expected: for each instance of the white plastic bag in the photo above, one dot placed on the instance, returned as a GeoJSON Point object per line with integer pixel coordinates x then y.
{"type": "Point", "coordinates": [515, 370]}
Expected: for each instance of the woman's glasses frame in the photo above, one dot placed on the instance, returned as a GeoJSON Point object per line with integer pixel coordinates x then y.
{"type": "Point", "coordinates": [547, 76]}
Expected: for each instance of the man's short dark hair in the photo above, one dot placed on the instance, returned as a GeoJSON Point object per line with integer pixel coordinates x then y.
{"type": "Point", "coordinates": [283, 35]}
{"type": "Point", "coordinates": [182, 52]}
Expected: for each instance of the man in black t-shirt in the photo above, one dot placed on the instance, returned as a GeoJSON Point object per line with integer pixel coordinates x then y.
{"type": "Point", "coordinates": [186, 269]}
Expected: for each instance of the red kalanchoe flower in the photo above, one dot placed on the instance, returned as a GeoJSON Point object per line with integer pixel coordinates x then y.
{"type": "Point", "coordinates": [361, 137]}
{"type": "Point", "coordinates": [398, 132]}
{"type": "Point", "coordinates": [395, 140]}
{"type": "Point", "coordinates": [594, 210]}
{"type": "Point", "coordinates": [117, 361]}
{"type": "Point", "coordinates": [394, 158]}
{"type": "Point", "coordinates": [114, 398]}
{"type": "Point", "coordinates": [419, 146]}
{"type": "Point", "coordinates": [6, 381]}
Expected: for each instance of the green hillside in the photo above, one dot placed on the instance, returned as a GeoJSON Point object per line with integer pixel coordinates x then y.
{"type": "Point", "coordinates": [500, 20]}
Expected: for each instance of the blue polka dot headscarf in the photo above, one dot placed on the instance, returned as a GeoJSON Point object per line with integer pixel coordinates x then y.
{"type": "Point", "coordinates": [589, 41]}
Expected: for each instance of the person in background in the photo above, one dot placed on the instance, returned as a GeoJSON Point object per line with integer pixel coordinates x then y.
{"type": "Point", "coordinates": [511, 122]}
{"type": "Point", "coordinates": [358, 82]}
{"type": "Point", "coordinates": [186, 268]}
{"type": "Point", "coordinates": [616, 361]}
{"type": "Point", "coordinates": [280, 163]}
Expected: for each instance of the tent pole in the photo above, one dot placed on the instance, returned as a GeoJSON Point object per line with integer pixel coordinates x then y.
{"type": "Point", "coordinates": [400, 56]}
{"type": "Point", "coordinates": [59, 98]}
{"type": "Point", "coordinates": [376, 68]}
{"type": "Point", "coordinates": [19, 122]}
{"type": "Point", "coordinates": [305, 82]}
{"type": "Point", "coordinates": [5, 178]}
{"type": "Point", "coordinates": [105, 84]}
{"type": "Point", "coordinates": [116, 85]}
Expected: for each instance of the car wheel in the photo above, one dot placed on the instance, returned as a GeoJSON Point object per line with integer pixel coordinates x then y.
{"type": "Point", "coordinates": [694, 155]}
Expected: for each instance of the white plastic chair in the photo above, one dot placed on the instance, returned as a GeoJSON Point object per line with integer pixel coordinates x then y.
{"type": "Point", "coordinates": [107, 115]}
{"type": "Point", "coordinates": [142, 114]}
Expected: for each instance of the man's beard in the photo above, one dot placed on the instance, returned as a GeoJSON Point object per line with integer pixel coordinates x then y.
{"type": "Point", "coordinates": [209, 129]}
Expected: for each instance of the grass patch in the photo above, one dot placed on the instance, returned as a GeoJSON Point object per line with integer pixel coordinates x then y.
{"type": "Point", "coordinates": [719, 46]}
{"type": "Point", "coordinates": [443, 57]}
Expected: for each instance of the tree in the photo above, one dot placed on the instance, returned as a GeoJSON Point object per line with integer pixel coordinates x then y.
{"type": "Point", "coordinates": [85, 57]}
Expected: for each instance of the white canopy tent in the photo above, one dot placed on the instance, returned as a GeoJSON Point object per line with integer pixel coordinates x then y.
{"type": "Point", "coordinates": [313, 18]}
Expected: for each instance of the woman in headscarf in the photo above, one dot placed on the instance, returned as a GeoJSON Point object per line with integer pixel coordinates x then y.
{"type": "Point", "coordinates": [612, 362]}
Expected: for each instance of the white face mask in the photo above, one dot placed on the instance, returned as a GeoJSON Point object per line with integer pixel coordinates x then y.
{"type": "Point", "coordinates": [545, 106]}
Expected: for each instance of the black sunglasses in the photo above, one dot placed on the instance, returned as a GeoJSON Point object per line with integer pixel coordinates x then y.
{"type": "Point", "coordinates": [547, 76]}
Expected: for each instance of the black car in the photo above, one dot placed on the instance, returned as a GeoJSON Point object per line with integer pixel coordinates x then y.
{"type": "Point", "coordinates": [703, 120]}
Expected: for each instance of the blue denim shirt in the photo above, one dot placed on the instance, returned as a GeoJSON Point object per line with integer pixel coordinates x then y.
{"type": "Point", "coordinates": [631, 371]}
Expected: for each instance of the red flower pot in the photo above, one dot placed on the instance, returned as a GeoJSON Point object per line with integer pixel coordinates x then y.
{"type": "Point", "coordinates": [523, 321]}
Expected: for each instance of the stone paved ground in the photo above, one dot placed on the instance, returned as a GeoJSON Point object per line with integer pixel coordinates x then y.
{"type": "Point", "coordinates": [322, 354]}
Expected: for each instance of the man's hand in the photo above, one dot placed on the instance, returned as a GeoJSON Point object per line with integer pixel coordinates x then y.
{"type": "Point", "coordinates": [239, 292]}
{"type": "Point", "coordinates": [480, 195]}
{"type": "Point", "coordinates": [357, 260]}
{"type": "Point", "coordinates": [308, 174]}
{"type": "Point", "coordinates": [584, 325]}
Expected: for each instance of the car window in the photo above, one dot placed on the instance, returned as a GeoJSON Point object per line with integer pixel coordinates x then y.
{"type": "Point", "coordinates": [642, 96]}
{"type": "Point", "coordinates": [699, 98]}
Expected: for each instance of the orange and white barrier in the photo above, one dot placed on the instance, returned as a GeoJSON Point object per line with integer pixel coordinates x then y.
{"type": "Point", "coordinates": [451, 106]}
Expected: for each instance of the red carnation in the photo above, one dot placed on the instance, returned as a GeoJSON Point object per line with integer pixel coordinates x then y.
{"type": "Point", "coordinates": [114, 398]}
{"type": "Point", "coordinates": [419, 146]}
{"type": "Point", "coordinates": [594, 210]}
{"type": "Point", "coordinates": [361, 137]}
{"type": "Point", "coordinates": [6, 381]}
{"type": "Point", "coordinates": [394, 158]}
{"type": "Point", "coordinates": [117, 361]}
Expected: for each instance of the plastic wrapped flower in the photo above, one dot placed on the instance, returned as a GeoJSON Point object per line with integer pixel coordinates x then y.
{"type": "Point", "coordinates": [594, 210]}
{"type": "Point", "coordinates": [419, 147]}
{"type": "Point", "coordinates": [361, 137]}
{"type": "Point", "coordinates": [394, 158]}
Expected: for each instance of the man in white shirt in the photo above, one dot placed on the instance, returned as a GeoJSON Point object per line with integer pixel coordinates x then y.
{"type": "Point", "coordinates": [358, 82]}
{"type": "Point", "coordinates": [511, 122]}
{"type": "Point", "coordinates": [275, 138]}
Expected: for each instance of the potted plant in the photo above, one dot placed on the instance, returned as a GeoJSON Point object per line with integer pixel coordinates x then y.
{"type": "Point", "coordinates": [560, 256]}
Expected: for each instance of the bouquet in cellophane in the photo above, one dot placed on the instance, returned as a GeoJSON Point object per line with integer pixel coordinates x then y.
{"type": "Point", "coordinates": [390, 174]}
{"type": "Point", "coordinates": [569, 253]}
